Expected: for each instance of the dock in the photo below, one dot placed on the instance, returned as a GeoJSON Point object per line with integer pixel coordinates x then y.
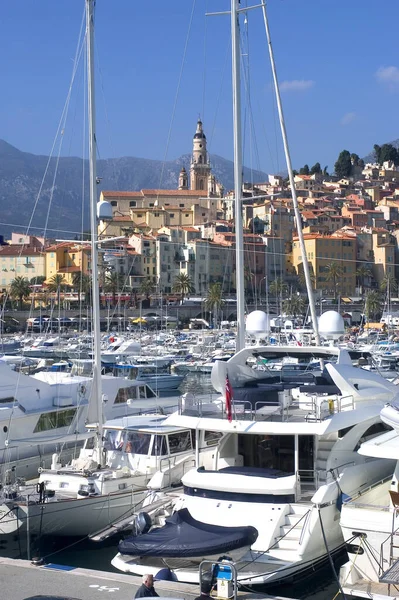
{"type": "Point", "coordinates": [20, 579]}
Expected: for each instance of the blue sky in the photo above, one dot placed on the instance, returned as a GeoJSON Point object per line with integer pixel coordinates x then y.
{"type": "Point", "coordinates": [338, 65]}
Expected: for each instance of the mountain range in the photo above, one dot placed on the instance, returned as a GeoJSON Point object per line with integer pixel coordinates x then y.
{"type": "Point", "coordinates": [46, 195]}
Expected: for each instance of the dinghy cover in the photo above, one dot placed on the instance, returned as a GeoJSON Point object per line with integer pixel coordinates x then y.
{"type": "Point", "coordinates": [183, 536]}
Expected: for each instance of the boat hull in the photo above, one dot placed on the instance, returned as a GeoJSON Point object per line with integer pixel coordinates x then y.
{"type": "Point", "coordinates": [69, 517]}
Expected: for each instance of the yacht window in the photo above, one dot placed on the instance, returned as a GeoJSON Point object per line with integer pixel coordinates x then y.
{"type": "Point", "coordinates": [180, 442]}
{"type": "Point", "coordinates": [159, 446]}
{"type": "Point", "coordinates": [7, 400]}
{"type": "Point", "coordinates": [142, 390]}
{"type": "Point", "coordinates": [89, 444]}
{"type": "Point", "coordinates": [343, 432]}
{"type": "Point", "coordinates": [149, 392]}
{"type": "Point", "coordinates": [124, 394]}
{"type": "Point", "coordinates": [211, 438]}
{"type": "Point", "coordinates": [138, 442]}
{"type": "Point", "coordinates": [372, 432]}
{"type": "Point", "coordinates": [55, 420]}
{"type": "Point", "coordinates": [113, 439]}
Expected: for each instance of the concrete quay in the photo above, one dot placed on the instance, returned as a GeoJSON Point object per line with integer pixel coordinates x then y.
{"type": "Point", "coordinates": [20, 579]}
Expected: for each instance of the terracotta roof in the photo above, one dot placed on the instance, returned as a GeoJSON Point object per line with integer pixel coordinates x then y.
{"type": "Point", "coordinates": [197, 193]}
{"type": "Point", "coordinates": [69, 269]}
{"type": "Point", "coordinates": [110, 194]}
{"type": "Point", "coordinates": [17, 250]}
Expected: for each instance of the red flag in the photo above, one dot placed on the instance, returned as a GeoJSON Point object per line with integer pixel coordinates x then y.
{"type": "Point", "coordinates": [229, 399]}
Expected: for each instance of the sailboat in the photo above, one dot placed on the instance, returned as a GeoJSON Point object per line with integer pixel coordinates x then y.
{"type": "Point", "coordinates": [105, 481]}
{"type": "Point", "coordinates": [288, 442]}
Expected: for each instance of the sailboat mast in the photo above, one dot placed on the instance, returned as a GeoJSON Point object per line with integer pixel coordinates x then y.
{"type": "Point", "coordinates": [235, 55]}
{"type": "Point", "coordinates": [97, 384]}
{"type": "Point", "coordinates": [297, 213]}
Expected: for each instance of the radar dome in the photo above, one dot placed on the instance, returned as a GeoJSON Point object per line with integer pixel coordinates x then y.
{"type": "Point", "coordinates": [331, 325]}
{"type": "Point", "coordinates": [257, 323]}
{"type": "Point", "coordinates": [104, 210]}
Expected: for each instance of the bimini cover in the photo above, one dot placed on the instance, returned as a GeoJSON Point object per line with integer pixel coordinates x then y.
{"type": "Point", "coordinates": [183, 536]}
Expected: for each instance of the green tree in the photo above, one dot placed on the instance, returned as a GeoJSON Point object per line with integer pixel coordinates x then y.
{"type": "Point", "coordinates": [325, 171]}
{"type": "Point", "coordinates": [147, 287]}
{"type": "Point", "coordinates": [38, 280]}
{"type": "Point", "coordinates": [355, 159]}
{"type": "Point", "coordinates": [294, 305]}
{"type": "Point", "coordinates": [113, 284]}
{"type": "Point", "coordinates": [373, 304]}
{"type": "Point", "coordinates": [334, 273]}
{"type": "Point", "coordinates": [389, 283]}
{"type": "Point", "coordinates": [279, 289]}
{"type": "Point", "coordinates": [20, 289]}
{"type": "Point", "coordinates": [388, 152]}
{"type": "Point", "coordinates": [82, 283]}
{"type": "Point", "coordinates": [183, 285]}
{"type": "Point", "coordinates": [316, 169]}
{"type": "Point", "coordinates": [363, 272]}
{"type": "Point", "coordinates": [305, 170]}
{"type": "Point", "coordinates": [214, 300]}
{"type": "Point", "coordinates": [343, 164]}
{"type": "Point", "coordinates": [377, 152]}
{"type": "Point", "coordinates": [56, 284]}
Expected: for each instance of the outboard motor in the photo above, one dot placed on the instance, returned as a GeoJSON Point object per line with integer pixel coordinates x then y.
{"type": "Point", "coordinates": [142, 524]}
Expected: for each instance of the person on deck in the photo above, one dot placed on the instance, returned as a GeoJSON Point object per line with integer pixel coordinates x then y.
{"type": "Point", "coordinates": [146, 590]}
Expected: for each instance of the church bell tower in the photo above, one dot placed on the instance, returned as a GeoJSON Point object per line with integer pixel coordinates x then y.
{"type": "Point", "coordinates": [200, 168]}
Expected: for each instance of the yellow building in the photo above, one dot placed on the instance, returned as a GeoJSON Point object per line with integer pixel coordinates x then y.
{"type": "Point", "coordinates": [322, 250]}
{"type": "Point", "coordinates": [383, 247]}
{"type": "Point", "coordinates": [21, 261]}
{"type": "Point", "coordinates": [67, 259]}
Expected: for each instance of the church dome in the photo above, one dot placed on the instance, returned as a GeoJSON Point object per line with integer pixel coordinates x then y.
{"type": "Point", "coordinates": [199, 134]}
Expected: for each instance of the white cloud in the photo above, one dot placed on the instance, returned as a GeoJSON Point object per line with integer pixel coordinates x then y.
{"type": "Point", "coordinates": [348, 117]}
{"type": "Point", "coordinates": [388, 76]}
{"type": "Point", "coordinates": [296, 85]}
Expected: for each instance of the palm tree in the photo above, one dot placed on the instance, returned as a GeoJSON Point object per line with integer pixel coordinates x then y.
{"type": "Point", "coordinates": [20, 289]}
{"type": "Point", "coordinates": [38, 280]}
{"type": "Point", "coordinates": [302, 280]}
{"type": "Point", "coordinates": [334, 272]}
{"type": "Point", "coordinates": [363, 272]}
{"type": "Point", "coordinates": [278, 288]}
{"type": "Point", "coordinates": [55, 284]}
{"type": "Point", "coordinates": [373, 304]}
{"type": "Point", "coordinates": [113, 284]}
{"type": "Point", "coordinates": [214, 300]}
{"type": "Point", "coordinates": [82, 283]}
{"type": "Point", "coordinates": [183, 285]}
{"type": "Point", "coordinates": [389, 283]}
{"type": "Point", "coordinates": [294, 305]}
{"type": "Point", "coordinates": [147, 287]}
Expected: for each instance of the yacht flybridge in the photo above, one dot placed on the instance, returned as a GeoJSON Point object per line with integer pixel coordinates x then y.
{"type": "Point", "coordinates": [287, 452]}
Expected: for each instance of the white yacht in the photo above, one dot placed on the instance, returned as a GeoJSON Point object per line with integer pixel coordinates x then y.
{"type": "Point", "coordinates": [42, 413]}
{"type": "Point", "coordinates": [287, 452]}
{"type": "Point", "coordinates": [370, 521]}
{"type": "Point", "coordinates": [159, 377]}
{"type": "Point", "coordinates": [85, 496]}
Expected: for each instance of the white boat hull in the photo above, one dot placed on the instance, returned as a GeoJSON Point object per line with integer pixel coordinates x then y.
{"type": "Point", "coordinates": [72, 517]}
